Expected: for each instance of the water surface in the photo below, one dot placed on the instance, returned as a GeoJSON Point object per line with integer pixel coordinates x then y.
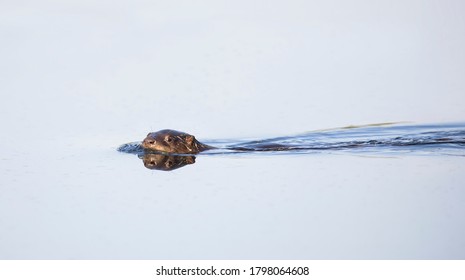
{"type": "Point", "coordinates": [75, 202]}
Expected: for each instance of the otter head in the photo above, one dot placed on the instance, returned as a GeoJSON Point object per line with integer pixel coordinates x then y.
{"type": "Point", "coordinates": [171, 142]}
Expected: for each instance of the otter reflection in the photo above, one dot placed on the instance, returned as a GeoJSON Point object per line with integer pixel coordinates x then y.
{"type": "Point", "coordinates": [166, 162]}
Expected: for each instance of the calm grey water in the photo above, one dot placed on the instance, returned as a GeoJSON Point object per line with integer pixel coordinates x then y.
{"type": "Point", "coordinates": [70, 201]}
{"type": "Point", "coordinates": [78, 79]}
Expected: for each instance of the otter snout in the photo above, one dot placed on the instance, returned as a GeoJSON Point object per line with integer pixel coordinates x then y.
{"type": "Point", "coordinates": [148, 143]}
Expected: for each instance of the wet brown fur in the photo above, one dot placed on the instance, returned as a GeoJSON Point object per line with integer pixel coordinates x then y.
{"type": "Point", "coordinates": [173, 142]}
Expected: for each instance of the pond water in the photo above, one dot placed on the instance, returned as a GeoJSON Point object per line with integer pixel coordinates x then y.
{"type": "Point", "coordinates": [78, 79]}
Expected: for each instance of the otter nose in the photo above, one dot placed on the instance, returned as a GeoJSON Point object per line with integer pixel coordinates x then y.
{"type": "Point", "coordinates": [148, 142]}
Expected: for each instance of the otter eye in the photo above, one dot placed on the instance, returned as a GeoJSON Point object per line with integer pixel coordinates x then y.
{"type": "Point", "coordinates": [169, 139]}
{"type": "Point", "coordinates": [169, 163]}
{"type": "Point", "coordinates": [151, 142]}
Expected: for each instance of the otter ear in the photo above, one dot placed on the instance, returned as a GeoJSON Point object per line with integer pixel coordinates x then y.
{"type": "Point", "coordinates": [190, 139]}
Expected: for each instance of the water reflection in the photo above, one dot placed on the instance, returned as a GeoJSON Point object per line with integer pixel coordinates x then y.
{"type": "Point", "coordinates": [165, 162]}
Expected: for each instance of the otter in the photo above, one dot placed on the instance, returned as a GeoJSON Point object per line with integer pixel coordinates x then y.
{"type": "Point", "coordinates": [173, 142]}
